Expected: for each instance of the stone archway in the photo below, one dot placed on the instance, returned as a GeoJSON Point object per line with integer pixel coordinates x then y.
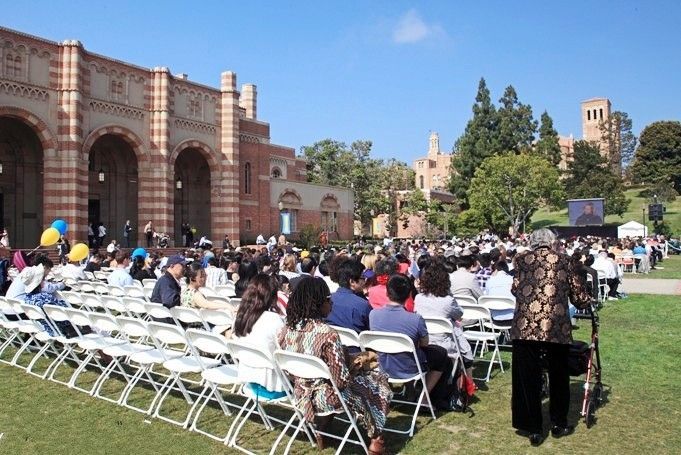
{"type": "Point", "coordinates": [21, 181]}
{"type": "Point", "coordinates": [194, 170]}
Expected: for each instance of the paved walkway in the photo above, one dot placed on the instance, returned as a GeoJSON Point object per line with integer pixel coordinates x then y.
{"type": "Point", "coordinates": [652, 286]}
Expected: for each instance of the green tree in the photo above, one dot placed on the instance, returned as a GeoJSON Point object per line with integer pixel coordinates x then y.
{"type": "Point", "coordinates": [470, 222]}
{"type": "Point", "coordinates": [548, 146]}
{"type": "Point", "coordinates": [479, 141]}
{"type": "Point", "coordinates": [510, 188]}
{"type": "Point", "coordinates": [589, 176]}
{"type": "Point", "coordinates": [516, 125]}
{"type": "Point", "coordinates": [658, 157]}
{"type": "Point", "coordinates": [618, 141]}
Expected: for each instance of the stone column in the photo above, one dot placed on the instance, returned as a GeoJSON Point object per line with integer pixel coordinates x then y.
{"type": "Point", "coordinates": [249, 100]}
{"type": "Point", "coordinates": [156, 177]}
{"type": "Point", "coordinates": [225, 190]}
{"type": "Point", "coordinates": [66, 169]}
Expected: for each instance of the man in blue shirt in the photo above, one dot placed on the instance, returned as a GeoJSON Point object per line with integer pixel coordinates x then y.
{"type": "Point", "coordinates": [393, 317]}
{"type": "Point", "coordinates": [349, 310]}
{"type": "Point", "coordinates": [167, 288]}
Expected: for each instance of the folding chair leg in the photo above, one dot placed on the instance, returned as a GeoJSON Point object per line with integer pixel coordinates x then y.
{"type": "Point", "coordinates": [212, 390]}
{"type": "Point", "coordinates": [176, 379]}
{"type": "Point", "coordinates": [27, 343]}
{"type": "Point", "coordinates": [135, 379]}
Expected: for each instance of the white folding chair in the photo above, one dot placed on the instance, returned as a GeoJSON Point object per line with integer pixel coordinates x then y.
{"type": "Point", "coordinates": [149, 282]}
{"type": "Point", "coordinates": [167, 337]}
{"type": "Point", "coordinates": [188, 317]}
{"type": "Point", "coordinates": [220, 320]}
{"type": "Point", "coordinates": [92, 302]}
{"type": "Point", "coordinates": [443, 326]}
{"type": "Point", "coordinates": [144, 361]}
{"type": "Point", "coordinates": [225, 374]}
{"type": "Point", "coordinates": [29, 329]}
{"type": "Point", "coordinates": [482, 337]}
{"type": "Point", "coordinates": [208, 292]}
{"type": "Point", "coordinates": [113, 305]}
{"type": "Point", "coordinates": [89, 275]}
{"type": "Point", "coordinates": [257, 358]}
{"type": "Point", "coordinates": [224, 290]}
{"type": "Point", "coordinates": [148, 293]}
{"type": "Point", "coordinates": [72, 298]}
{"type": "Point", "coordinates": [48, 337]}
{"type": "Point", "coordinates": [465, 299]}
{"type": "Point", "coordinates": [101, 287]}
{"type": "Point", "coordinates": [109, 324]}
{"type": "Point", "coordinates": [116, 291]}
{"type": "Point", "coordinates": [395, 343]}
{"type": "Point", "coordinates": [135, 307]}
{"type": "Point", "coordinates": [101, 275]}
{"type": "Point", "coordinates": [87, 286]}
{"type": "Point", "coordinates": [305, 366]}
{"type": "Point", "coordinates": [134, 291]}
{"type": "Point", "coordinates": [348, 337]}
{"type": "Point", "coordinates": [158, 311]}
{"type": "Point", "coordinates": [73, 284]}
{"type": "Point", "coordinates": [92, 345]}
{"type": "Point", "coordinates": [498, 304]}
{"type": "Point", "coordinates": [12, 327]}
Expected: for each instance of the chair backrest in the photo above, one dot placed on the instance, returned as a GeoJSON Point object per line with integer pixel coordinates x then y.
{"type": "Point", "coordinates": [439, 326]}
{"type": "Point", "coordinates": [208, 292]}
{"type": "Point", "coordinates": [101, 275]}
{"type": "Point", "coordinates": [207, 342]}
{"type": "Point", "coordinates": [113, 304]}
{"type": "Point", "coordinates": [104, 322]}
{"type": "Point", "coordinates": [219, 299]}
{"type": "Point", "coordinates": [493, 302]}
{"type": "Point", "coordinates": [156, 310]}
{"type": "Point", "coordinates": [72, 283]}
{"type": "Point", "coordinates": [301, 365]}
{"type": "Point", "coordinates": [235, 301]}
{"type": "Point", "coordinates": [116, 291]}
{"type": "Point", "coordinates": [168, 334]}
{"type": "Point", "coordinates": [224, 290]}
{"type": "Point", "coordinates": [217, 317]}
{"type": "Point", "coordinates": [460, 299]}
{"type": "Point", "coordinates": [151, 282]}
{"type": "Point", "coordinates": [87, 286]}
{"type": "Point", "coordinates": [348, 337]}
{"type": "Point", "coordinates": [32, 312]}
{"type": "Point", "coordinates": [101, 288]}
{"type": "Point", "coordinates": [56, 313]}
{"type": "Point", "coordinates": [133, 327]}
{"type": "Point", "coordinates": [472, 312]}
{"type": "Point", "coordinates": [134, 291]}
{"type": "Point", "coordinates": [73, 298]}
{"type": "Point", "coordinates": [78, 318]}
{"type": "Point", "coordinates": [148, 292]}
{"type": "Point", "coordinates": [89, 275]}
{"type": "Point", "coordinates": [187, 315]}
{"type": "Point", "coordinates": [386, 342]}
{"type": "Point", "coordinates": [92, 301]}
{"type": "Point", "coordinates": [134, 306]}
{"type": "Point", "coordinates": [250, 355]}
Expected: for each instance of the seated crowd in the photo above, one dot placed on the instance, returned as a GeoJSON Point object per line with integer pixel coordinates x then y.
{"type": "Point", "coordinates": [293, 299]}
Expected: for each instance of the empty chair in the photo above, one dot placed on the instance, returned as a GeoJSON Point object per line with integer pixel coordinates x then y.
{"type": "Point", "coordinates": [188, 317]}
{"type": "Point", "coordinates": [159, 312]}
{"type": "Point", "coordinates": [167, 337]}
{"type": "Point", "coordinates": [208, 292]}
{"type": "Point", "coordinates": [225, 290]}
{"type": "Point", "coordinates": [135, 306]}
{"type": "Point", "coordinates": [482, 337]}
{"type": "Point", "coordinates": [101, 275]}
{"type": "Point", "coordinates": [116, 291]}
{"type": "Point", "coordinates": [134, 291]}
{"type": "Point", "coordinates": [348, 337]}
{"type": "Point", "coordinates": [149, 282]}
{"type": "Point", "coordinates": [89, 275]}
{"type": "Point", "coordinates": [87, 286]}
{"type": "Point", "coordinates": [100, 287]}
{"type": "Point", "coordinates": [72, 298]}
{"type": "Point", "coordinates": [113, 305]}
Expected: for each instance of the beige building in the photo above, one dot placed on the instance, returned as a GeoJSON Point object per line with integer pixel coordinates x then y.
{"type": "Point", "coordinates": [595, 112]}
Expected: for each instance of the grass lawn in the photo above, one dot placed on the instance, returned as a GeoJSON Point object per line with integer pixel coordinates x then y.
{"type": "Point", "coordinates": [640, 347]}
{"type": "Point", "coordinates": [672, 269]}
{"type": "Point", "coordinates": [543, 217]}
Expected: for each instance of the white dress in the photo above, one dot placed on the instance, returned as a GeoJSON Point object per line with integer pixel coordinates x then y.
{"type": "Point", "coordinates": [264, 335]}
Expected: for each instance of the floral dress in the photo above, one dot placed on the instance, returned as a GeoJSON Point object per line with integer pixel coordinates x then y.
{"type": "Point", "coordinates": [367, 394]}
{"type": "Point", "coordinates": [45, 298]}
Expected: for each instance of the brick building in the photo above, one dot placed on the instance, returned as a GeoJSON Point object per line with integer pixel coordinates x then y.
{"type": "Point", "coordinates": [595, 112]}
{"type": "Point", "coordinates": [86, 137]}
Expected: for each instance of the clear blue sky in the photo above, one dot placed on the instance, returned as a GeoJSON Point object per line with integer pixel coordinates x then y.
{"type": "Point", "coordinates": [391, 71]}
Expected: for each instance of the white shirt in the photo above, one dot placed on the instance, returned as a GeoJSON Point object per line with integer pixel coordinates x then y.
{"type": "Point", "coordinates": [215, 276]}
{"type": "Point", "coordinates": [605, 265]}
{"type": "Point", "coordinates": [102, 231]}
{"type": "Point", "coordinates": [110, 248]}
{"type": "Point", "coordinates": [120, 277]}
{"type": "Point", "coordinates": [73, 271]}
{"type": "Point", "coordinates": [263, 334]}
{"type": "Point", "coordinates": [499, 285]}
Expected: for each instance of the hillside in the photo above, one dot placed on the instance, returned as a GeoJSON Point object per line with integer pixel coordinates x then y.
{"type": "Point", "coordinates": [672, 217]}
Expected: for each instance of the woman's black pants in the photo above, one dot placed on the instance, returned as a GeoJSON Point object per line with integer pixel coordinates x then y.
{"type": "Point", "coordinates": [527, 367]}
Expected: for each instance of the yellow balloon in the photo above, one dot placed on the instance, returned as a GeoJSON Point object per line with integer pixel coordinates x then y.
{"type": "Point", "coordinates": [50, 237]}
{"type": "Point", "coordinates": [79, 251]}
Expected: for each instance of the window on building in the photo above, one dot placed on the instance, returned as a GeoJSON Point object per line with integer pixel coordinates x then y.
{"type": "Point", "coordinates": [194, 107]}
{"type": "Point", "coordinates": [17, 66]}
{"type": "Point", "coordinates": [601, 112]}
{"type": "Point", "coordinates": [9, 65]}
{"type": "Point", "coordinates": [276, 173]}
{"type": "Point", "coordinates": [588, 114]}
{"type": "Point", "coordinates": [288, 220]}
{"type": "Point", "coordinates": [247, 178]}
{"type": "Point", "coordinates": [329, 221]}
{"type": "Point", "coordinates": [116, 90]}
{"type": "Point", "coordinates": [421, 182]}
{"type": "Point", "coordinates": [595, 115]}
{"type": "Point", "coordinates": [248, 225]}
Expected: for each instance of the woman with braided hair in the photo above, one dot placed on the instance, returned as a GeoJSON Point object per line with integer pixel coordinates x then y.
{"type": "Point", "coordinates": [367, 394]}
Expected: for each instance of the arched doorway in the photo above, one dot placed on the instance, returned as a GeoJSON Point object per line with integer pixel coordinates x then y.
{"type": "Point", "coordinates": [192, 194]}
{"type": "Point", "coordinates": [21, 183]}
{"type": "Point", "coordinates": [113, 187]}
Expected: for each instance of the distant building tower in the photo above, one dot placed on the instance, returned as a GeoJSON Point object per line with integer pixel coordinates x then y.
{"type": "Point", "coordinates": [594, 112]}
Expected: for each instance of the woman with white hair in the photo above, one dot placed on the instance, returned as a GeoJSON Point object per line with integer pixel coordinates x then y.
{"type": "Point", "coordinates": [544, 281]}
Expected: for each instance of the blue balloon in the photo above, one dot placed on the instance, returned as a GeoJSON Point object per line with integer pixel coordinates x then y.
{"type": "Point", "coordinates": [60, 225]}
{"type": "Point", "coordinates": [139, 251]}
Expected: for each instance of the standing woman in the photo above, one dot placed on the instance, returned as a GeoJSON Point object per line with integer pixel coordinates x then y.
{"type": "Point", "coordinates": [367, 395]}
{"type": "Point", "coordinates": [543, 283]}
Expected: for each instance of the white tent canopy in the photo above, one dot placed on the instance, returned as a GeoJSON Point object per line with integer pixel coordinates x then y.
{"type": "Point", "coordinates": [632, 229]}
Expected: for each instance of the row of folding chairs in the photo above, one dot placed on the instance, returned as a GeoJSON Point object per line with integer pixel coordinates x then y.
{"type": "Point", "coordinates": [142, 345]}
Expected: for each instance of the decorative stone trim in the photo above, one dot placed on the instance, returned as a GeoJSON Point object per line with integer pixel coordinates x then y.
{"type": "Point", "coordinates": [23, 90]}
{"type": "Point", "coordinates": [192, 125]}
{"type": "Point", "coordinates": [249, 138]}
{"type": "Point", "coordinates": [116, 109]}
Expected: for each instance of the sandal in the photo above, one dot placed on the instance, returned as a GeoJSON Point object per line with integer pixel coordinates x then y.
{"type": "Point", "coordinates": [377, 446]}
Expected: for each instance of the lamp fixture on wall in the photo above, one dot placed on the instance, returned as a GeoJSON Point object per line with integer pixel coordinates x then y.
{"type": "Point", "coordinates": [178, 183]}
{"type": "Point", "coordinates": [281, 206]}
{"type": "Point", "coordinates": [0, 167]}
{"type": "Point", "coordinates": [100, 175]}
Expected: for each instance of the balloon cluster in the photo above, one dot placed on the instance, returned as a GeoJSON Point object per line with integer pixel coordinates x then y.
{"type": "Point", "coordinates": [51, 235]}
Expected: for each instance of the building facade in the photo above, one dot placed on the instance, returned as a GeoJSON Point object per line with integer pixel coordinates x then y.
{"type": "Point", "coordinates": [595, 112]}
{"type": "Point", "coordinates": [88, 138]}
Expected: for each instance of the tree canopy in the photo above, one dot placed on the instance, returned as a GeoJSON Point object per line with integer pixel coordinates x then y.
{"type": "Point", "coordinates": [507, 189]}
{"type": "Point", "coordinates": [618, 141]}
{"type": "Point", "coordinates": [589, 175]}
{"type": "Point", "coordinates": [658, 157]}
{"type": "Point", "coordinates": [548, 146]}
